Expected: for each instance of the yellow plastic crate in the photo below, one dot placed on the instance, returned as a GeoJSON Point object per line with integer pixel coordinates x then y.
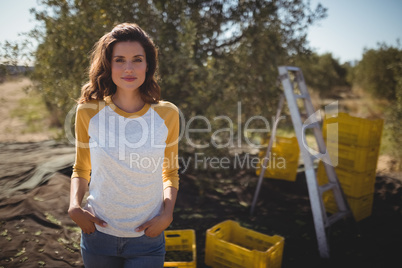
{"type": "Point", "coordinates": [354, 158]}
{"type": "Point", "coordinates": [182, 241]}
{"type": "Point", "coordinates": [283, 159]}
{"type": "Point", "coordinates": [232, 246]}
{"type": "Point", "coordinates": [361, 207]}
{"type": "Point", "coordinates": [355, 130]}
{"type": "Point", "coordinates": [353, 184]}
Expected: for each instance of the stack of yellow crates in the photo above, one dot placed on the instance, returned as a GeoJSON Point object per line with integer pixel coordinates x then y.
{"type": "Point", "coordinates": [283, 159]}
{"type": "Point", "coordinates": [355, 147]}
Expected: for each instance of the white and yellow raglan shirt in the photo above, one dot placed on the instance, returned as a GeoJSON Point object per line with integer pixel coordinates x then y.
{"type": "Point", "coordinates": [128, 160]}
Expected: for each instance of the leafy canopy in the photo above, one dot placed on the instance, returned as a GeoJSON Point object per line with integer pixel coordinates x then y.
{"type": "Point", "coordinates": [213, 53]}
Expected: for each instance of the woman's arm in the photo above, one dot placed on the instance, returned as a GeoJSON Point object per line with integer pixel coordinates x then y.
{"type": "Point", "coordinates": [158, 224]}
{"type": "Point", "coordinates": [169, 200]}
{"type": "Point", "coordinates": [83, 218]}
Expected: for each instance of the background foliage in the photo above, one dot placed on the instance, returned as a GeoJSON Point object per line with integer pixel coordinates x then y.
{"type": "Point", "coordinates": [323, 73]}
{"type": "Point", "coordinates": [213, 55]}
{"type": "Point", "coordinates": [379, 70]}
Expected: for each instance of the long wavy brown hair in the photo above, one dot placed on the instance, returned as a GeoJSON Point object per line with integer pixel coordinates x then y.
{"type": "Point", "coordinates": [100, 83]}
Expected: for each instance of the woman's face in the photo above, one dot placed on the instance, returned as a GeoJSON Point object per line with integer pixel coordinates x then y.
{"type": "Point", "coordinates": [129, 65]}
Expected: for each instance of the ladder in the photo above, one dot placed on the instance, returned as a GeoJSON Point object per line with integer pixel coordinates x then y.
{"type": "Point", "coordinates": [321, 220]}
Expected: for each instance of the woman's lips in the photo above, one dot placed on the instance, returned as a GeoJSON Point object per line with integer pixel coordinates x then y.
{"type": "Point", "coordinates": [129, 78]}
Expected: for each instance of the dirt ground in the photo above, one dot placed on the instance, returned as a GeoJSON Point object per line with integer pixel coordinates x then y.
{"type": "Point", "coordinates": [35, 230]}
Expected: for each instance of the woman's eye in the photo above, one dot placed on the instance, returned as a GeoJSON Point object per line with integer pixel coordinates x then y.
{"type": "Point", "coordinates": [119, 60]}
{"type": "Point", "coordinates": [138, 60]}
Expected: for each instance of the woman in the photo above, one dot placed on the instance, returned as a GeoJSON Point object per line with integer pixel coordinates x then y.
{"type": "Point", "coordinates": [126, 151]}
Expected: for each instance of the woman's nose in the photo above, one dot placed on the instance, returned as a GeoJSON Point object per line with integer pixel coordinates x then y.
{"type": "Point", "coordinates": [129, 66]}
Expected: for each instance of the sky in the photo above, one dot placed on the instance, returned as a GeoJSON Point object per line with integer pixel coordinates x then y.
{"type": "Point", "coordinates": [350, 27]}
{"type": "Point", "coordinates": [353, 25]}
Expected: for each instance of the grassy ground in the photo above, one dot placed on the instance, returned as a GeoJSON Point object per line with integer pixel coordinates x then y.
{"type": "Point", "coordinates": [24, 115]}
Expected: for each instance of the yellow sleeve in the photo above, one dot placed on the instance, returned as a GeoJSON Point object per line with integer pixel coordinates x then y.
{"type": "Point", "coordinates": [82, 165]}
{"type": "Point", "coordinates": [170, 171]}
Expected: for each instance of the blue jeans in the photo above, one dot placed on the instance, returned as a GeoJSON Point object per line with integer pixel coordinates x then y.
{"type": "Point", "coordinates": [102, 250]}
